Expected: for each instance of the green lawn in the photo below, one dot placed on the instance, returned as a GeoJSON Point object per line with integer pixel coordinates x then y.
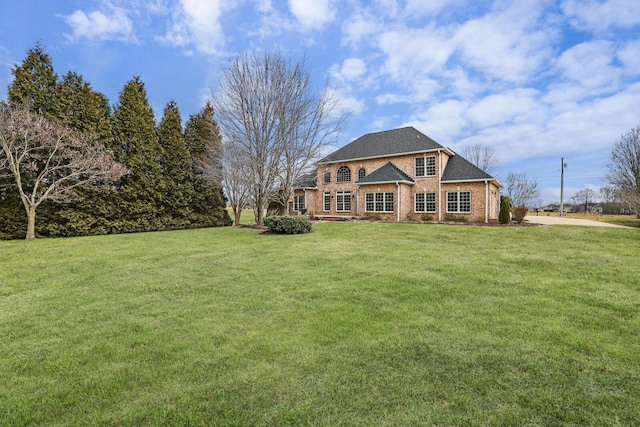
{"type": "Point", "coordinates": [353, 324]}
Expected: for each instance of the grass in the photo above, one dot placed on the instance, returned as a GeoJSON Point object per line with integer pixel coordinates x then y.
{"type": "Point", "coordinates": [352, 324]}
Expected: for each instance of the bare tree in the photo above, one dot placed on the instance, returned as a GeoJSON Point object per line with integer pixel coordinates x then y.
{"type": "Point", "coordinates": [521, 189]}
{"type": "Point", "coordinates": [624, 168]}
{"type": "Point", "coordinates": [49, 161]}
{"type": "Point", "coordinates": [608, 197]}
{"type": "Point", "coordinates": [585, 198]}
{"type": "Point", "coordinates": [234, 180]}
{"type": "Point", "coordinates": [482, 156]}
{"type": "Point", "coordinates": [267, 108]}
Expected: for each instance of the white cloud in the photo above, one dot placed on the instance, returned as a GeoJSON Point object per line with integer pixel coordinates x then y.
{"type": "Point", "coordinates": [602, 15]}
{"type": "Point", "coordinates": [415, 51]}
{"type": "Point", "coordinates": [443, 122]}
{"type": "Point", "coordinates": [197, 22]}
{"type": "Point", "coordinates": [590, 64]}
{"type": "Point", "coordinates": [360, 27]}
{"type": "Point", "coordinates": [114, 24]}
{"type": "Point", "coordinates": [511, 44]}
{"type": "Point", "coordinates": [630, 58]}
{"type": "Point", "coordinates": [430, 7]}
{"type": "Point", "coordinates": [505, 107]}
{"type": "Point", "coordinates": [349, 103]}
{"type": "Point", "coordinates": [314, 14]}
{"type": "Point", "coordinates": [264, 5]}
{"type": "Point", "coordinates": [353, 69]}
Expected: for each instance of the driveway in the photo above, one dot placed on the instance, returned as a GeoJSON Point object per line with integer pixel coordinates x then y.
{"type": "Point", "coordinates": [556, 220]}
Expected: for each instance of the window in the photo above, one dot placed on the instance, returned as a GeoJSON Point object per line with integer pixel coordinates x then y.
{"type": "Point", "coordinates": [326, 205]}
{"type": "Point", "coordinates": [298, 203]}
{"type": "Point", "coordinates": [343, 201]}
{"type": "Point", "coordinates": [459, 201]}
{"type": "Point", "coordinates": [378, 202]}
{"type": "Point", "coordinates": [425, 202]}
{"type": "Point", "coordinates": [361, 173]}
{"type": "Point", "coordinates": [343, 174]}
{"type": "Point", "coordinates": [426, 166]}
{"type": "Point", "coordinates": [327, 177]}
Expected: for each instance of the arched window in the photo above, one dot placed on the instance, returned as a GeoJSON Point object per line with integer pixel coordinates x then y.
{"type": "Point", "coordinates": [343, 174]}
{"type": "Point", "coordinates": [361, 173]}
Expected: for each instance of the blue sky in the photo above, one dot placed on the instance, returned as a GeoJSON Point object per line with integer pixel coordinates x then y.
{"type": "Point", "coordinates": [536, 80]}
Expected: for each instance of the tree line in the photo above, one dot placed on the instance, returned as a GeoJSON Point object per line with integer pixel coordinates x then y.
{"type": "Point", "coordinates": [88, 168]}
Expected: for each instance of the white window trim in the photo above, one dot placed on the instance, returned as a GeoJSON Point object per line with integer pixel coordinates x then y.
{"type": "Point", "coordinates": [326, 195]}
{"type": "Point", "coordinates": [425, 166]}
{"type": "Point", "coordinates": [340, 176]}
{"type": "Point", "coordinates": [384, 201]}
{"type": "Point", "coordinates": [415, 201]}
{"type": "Point", "coordinates": [458, 202]}
{"type": "Point", "coordinates": [343, 194]}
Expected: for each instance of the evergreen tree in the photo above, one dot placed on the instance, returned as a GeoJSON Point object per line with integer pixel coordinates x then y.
{"type": "Point", "coordinates": [135, 144]}
{"type": "Point", "coordinates": [82, 109]}
{"type": "Point", "coordinates": [33, 87]}
{"type": "Point", "coordinates": [204, 142]}
{"type": "Point", "coordinates": [34, 83]}
{"type": "Point", "coordinates": [504, 216]}
{"type": "Point", "coordinates": [176, 166]}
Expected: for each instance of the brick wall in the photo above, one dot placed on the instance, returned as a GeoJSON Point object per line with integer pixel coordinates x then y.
{"type": "Point", "coordinates": [406, 163]}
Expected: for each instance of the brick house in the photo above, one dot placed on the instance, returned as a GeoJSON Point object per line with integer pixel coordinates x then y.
{"type": "Point", "coordinates": [394, 175]}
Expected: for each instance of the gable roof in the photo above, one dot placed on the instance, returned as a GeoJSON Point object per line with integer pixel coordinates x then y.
{"type": "Point", "coordinates": [460, 169]}
{"type": "Point", "coordinates": [385, 174]}
{"type": "Point", "coordinates": [385, 143]}
{"type": "Point", "coordinates": [306, 181]}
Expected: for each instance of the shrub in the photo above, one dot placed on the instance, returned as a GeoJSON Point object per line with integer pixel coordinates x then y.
{"type": "Point", "coordinates": [519, 213]}
{"type": "Point", "coordinates": [426, 217]}
{"type": "Point", "coordinates": [455, 218]}
{"type": "Point", "coordinates": [409, 218]}
{"type": "Point", "coordinates": [288, 224]}
{"type": "Point", "coordinates": [505, 210]}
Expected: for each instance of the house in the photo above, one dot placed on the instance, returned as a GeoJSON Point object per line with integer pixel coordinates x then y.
{"type": "Point", "coordinates": [394, 175]}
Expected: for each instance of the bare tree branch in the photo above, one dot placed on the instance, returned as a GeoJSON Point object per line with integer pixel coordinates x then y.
{"type": "Point", "coordinates": [267, 109]}
{"type": "Point", "coordinates": [585, 198]}
{"type": "Point", "coordinates": [521, 189]}
{"type": "Point", "coordinates": [49, 161]}
{"type": "Point", "coordinates": [482, 156]}
{"type": "Point", "coordinates": [624, 168]}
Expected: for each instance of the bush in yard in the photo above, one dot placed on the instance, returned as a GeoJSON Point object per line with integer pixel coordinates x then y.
{"type": "Point", "coordinates": [426, 217]}
{"type": "Point", "coordinates": [288, 224]}
{"type": "Point", "coordinates": [505, 210]}
{"type": "Point", "coordinates": [519, 213]}
{"type": "Point", "coordinates": [455, 218]}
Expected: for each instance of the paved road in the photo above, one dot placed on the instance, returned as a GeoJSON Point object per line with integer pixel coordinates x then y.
{"type": "Point", "coordinates": [549, 220]}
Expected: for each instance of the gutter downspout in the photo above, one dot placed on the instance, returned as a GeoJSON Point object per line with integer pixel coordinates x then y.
{"type": "Point", "coordinates": [486, 201]}
{"type": "Point", "coordinates": [399, 200]}
{"type": "Point", "coordinates": [306, 204]}
{"type": "Point", "coordinates": [440, 186]}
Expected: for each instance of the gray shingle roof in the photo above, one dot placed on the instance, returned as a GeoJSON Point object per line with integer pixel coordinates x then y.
{"type": "Point", "coordinates": [387, 173]}
{"type": "Point", "coordinates": [306, 181]}
{"type": "Point", "coordinates": [460, 169]}
{"type": "Point", "coordinates": [386, 143]}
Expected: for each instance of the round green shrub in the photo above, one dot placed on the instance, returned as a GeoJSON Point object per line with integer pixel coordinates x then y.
{"type": "Point", "coordinates": [288, 224]}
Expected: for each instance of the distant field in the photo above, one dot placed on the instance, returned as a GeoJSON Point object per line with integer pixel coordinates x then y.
{"type": "Point", "coordinates": [353, 324]}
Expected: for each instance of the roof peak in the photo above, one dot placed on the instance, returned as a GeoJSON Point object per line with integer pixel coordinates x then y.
{"type": "Point", "coordinates": [385, 143]}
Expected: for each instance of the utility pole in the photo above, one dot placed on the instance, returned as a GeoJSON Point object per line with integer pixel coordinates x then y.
{"type": "Point", "coordinates": [562, 166]}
